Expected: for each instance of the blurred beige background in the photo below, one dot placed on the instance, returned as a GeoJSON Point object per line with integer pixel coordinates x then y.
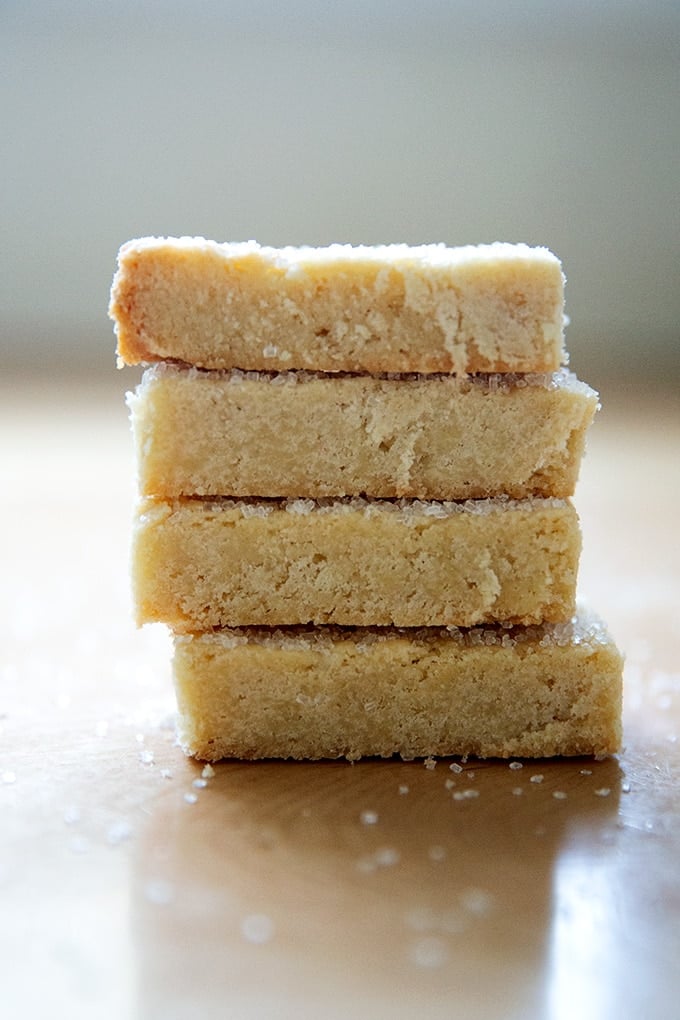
{"type": "Point", "coordinates": [307, 122]}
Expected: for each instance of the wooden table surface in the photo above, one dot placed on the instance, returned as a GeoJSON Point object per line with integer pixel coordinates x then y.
{"type": "Point", "coordinates": [131, 886]}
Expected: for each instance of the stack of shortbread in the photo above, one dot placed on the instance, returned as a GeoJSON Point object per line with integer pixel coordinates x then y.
{"type": "Point", "coordinates": [355, 467]}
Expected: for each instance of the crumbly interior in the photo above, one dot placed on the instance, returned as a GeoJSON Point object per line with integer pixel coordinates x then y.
{"type": "Point", "coordinates": [329, 692]}
{"type": "Point", "coordinates": [201, 564]}
{"type": "Point", "coordinates": [486, 308]}
{"type": "Point", "coordinates": [303, 434]}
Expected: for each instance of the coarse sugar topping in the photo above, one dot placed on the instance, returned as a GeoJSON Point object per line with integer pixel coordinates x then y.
{"type": "Point", "coordinates": [408, 510]}
{"type": "Point", "coordinates": [293, 259]}
{"type": "Point", "coordinates": [583, 629]}
{"type": "Point", "coordinates": [485, 382]}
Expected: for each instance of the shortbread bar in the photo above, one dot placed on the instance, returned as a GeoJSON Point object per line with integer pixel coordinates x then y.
{"type": "Point", "coordinates": [332, 693]}
{"type": "Point", "coordinates": [301, 434]}
{"type": "Point", "coordinates": [200, 564]}
{"type": "Point", "coordinates": [394, 308]}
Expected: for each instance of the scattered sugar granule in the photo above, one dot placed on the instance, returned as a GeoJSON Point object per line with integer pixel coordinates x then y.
{"type": "Point", "coordinates": [559, 795]}
{"type": "Point", "coordinates": [449, 783]}
{"type": "Point", "coordinates": [468, 794]}
{"type": "Point", "coordinates": [476, 901]}
{"type": "Point", "coordinates": [72, 815]}
{"type": "Point", "coordinates": [603, 791]}
{"type": "Point", "coordinates": [429, 952]}
{"type": "Point", "coordinates": [208, 772]}
{"type": "Point", "coordinates": [517, 791]}
{"type": "Point", "coordinates": [200, 784]}
{"type": "Point", "coordinates": [369, 817]}
{"type": "Point", "coordinates": [586, 772]}
{"type": "Point", "coordinates": [159, 892]}
{"type": "Point", "coordinates": [80, 845]}
{"type": "Point", "coordinates": [625, 787]}
{"type": "Point", "coordinates": [386, 856]}
{"type": "Point", "coordinates": [403, 789]}
{"type": "Point", "coordinates": [166, 774]}
{"type": "Point", "coordinates": [118, 832]}
{"type": "Point", "coordinates": [430, 763]}
{"type": "Point", "coordinates": [455, 767]}
{"type": "Point", "coordinates": [257, 928]}
{"type": "Point", "coordinates": [190, 798]}
{"type": "Point", "coordinates": [536, 778]}
{"type": "Point", "coordinates": [437, 853]}
{"type": "Point", "coordinates": [146, 757]}
{"type": "Point", "coordinates": [515, 765]}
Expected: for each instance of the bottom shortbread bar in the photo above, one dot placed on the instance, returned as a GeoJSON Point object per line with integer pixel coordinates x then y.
{"type": "Point", "coordinates": [330, 692]}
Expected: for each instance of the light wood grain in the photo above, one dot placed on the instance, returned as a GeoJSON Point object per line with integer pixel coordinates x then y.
{"type": "Point", "coordinates": [127, 891]}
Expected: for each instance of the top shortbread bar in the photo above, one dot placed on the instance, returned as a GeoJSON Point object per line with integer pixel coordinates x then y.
{"type": "Point", "coordinates": [393, 308]}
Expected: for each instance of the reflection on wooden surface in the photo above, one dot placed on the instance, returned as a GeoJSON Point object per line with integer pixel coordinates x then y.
{"type": "Point", "coordinates": [386, 884]}
{"type": "Point", "coordinates": [133, 886]}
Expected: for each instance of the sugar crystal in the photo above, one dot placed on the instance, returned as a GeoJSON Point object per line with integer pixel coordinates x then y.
{"type": "Point", "coordinates": [159, 892]}
{"type": "Point", "coordinates": [118, 832]}
{"type": "Point", "coordinates": [257, 928]}
{"type": "Point", "coordinates": [476, 901]}
{"type": "Point", "coordinates": [386, 856]}
{"type": "Point", "coordinates": [429, 952]}
{"type": "Point", "coordinates": [369, 817]}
